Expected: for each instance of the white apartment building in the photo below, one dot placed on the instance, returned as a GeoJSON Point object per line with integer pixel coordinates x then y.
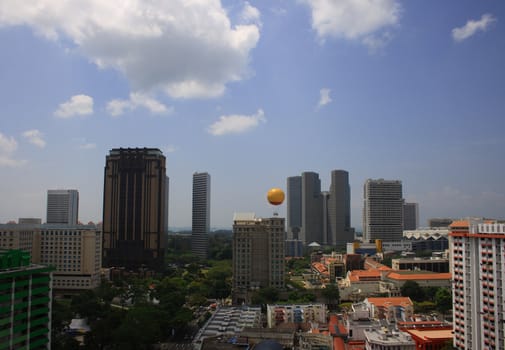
{"type": "Point", "coordinates": [478, 265]}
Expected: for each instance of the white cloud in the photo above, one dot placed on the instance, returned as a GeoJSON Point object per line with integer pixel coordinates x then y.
{"type": "Point", "coordinates": [185, 48]}
{"type": "Point", "coordinates": [35, 137]}
{"type": "Point", "coordinates": [324, 97]}
{"type": "Point", "coordinates": [77, 105]}
{"type": "Point", "coordinates": [87, 146]}
{"type": "Point", "coordinates": [250, 14]}
{"type": "Point", "coordinates": [354, 19]}
{"type": "Point", "coordinates": [117, 107]}
{"type": "Point", "coordinates": [236, 124]}
{"type": "Point", "coordinates": [8, 145]}
{"type": "Point", "coordinates": [471, 27]}
{"type": "Point", "coordinates": [169, 149]}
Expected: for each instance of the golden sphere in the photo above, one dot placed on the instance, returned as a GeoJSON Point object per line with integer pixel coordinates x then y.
{"type": "Point", "coordinates": [275, 196]}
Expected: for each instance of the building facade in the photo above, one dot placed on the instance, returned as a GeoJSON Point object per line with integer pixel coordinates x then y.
{"type": "Point", "coordinates": [75, 252]}
{"type": "Point", "coordinates": [258, 255]}
{"type": "Point", "coordinates": [201, 215]}
{"type": "Point", "coordinates": [478, 269]}
{"type": "Point", "coordinates": [62, 207]}
{"type": "Point", "coordinates": [339, 209]}
{"type": "Point", "coordinates": [134, 208]}
{"type": "Point", "coordinates": [383, 210]}
{"type": "Point", "coordinates": [312, 209]}
{"type": "Point", "coordinates": [294, 207]}
{"type": "Point", "coordinates": [410, 216]}
{"type": "Point", "coordinates": [25, 302]}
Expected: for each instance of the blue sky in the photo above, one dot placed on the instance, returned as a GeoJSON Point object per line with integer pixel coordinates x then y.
{"type": "Point", "coordinates": [254, 92]}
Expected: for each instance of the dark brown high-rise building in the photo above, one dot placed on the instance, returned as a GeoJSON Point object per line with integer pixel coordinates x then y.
{"type": "Point", "coordinates": [135, 203]}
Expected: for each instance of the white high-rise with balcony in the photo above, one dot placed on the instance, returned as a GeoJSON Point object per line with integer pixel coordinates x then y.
{"type": "Point", "coordinates": [478, 268]}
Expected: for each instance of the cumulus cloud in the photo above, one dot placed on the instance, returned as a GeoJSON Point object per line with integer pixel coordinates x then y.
{"type": "Point", "coordinates": [35, 137]}
{"type": "Point", "coordinates": [471, 27]}
{"type": "Point", "coordinates": [77, 105]}
{"type": "Point", "coordinates": [186, 48]}
{"type": "Point", "coordinates": [250, 14]}
{"type": "Point", "coordinates": [8, 145]}
{"type": "Point", "coordinates": [362, 20]}
{"type": "Point", "coordinates": [236, 124]}
{"type": "Point", "coordinates": [324, 97]}
{"type": "Point", "coordinates": [117, 107]}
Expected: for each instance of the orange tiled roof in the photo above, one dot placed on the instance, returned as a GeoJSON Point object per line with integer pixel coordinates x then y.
{"type": "Point", "coordinates": [357, 275]}
{"type": "Point", "coordinates": [459, 223]}
{"type": "Point", "coordinates": [419, 276]}
{"type": "Point", "coordinates": [397, 301]}
{"type": "Point", "coordinates": [430, 334]}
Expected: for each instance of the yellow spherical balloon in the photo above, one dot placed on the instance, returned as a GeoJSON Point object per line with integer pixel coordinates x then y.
{"type": "Point", "coordinates": [275, 196]}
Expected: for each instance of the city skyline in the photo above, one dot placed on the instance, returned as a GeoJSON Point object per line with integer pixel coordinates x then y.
{"type": "Point", "coordinates": [410, 91]}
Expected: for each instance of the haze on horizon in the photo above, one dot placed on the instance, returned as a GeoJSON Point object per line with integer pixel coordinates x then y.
{"type": "Point", "coordinates": [253, 92]}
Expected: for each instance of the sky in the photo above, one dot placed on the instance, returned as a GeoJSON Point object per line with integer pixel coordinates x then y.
{"type": "Point", "coordinates": [253, 92]}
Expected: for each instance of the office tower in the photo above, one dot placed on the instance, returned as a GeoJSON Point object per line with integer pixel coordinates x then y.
{"type": "Point", "coordinates": [410, 216]}
{"type": "Point", "coordinates": [294, 206]}
{"type": "Point", "coordinates": [312, 209]}
{"type": "Point", "coordinates": [258, 255]}
{"type": "Point", "coordinates": [25, 302]}
{"type": "Point", "coordinates": [339, 209]}
{"type": "Point", "coordinates": [62, 207]}
{"type": "Point", "coordinates": [383, 210]}
{"type": "Point", "coordinates": [74, 251]}
{"type": "Point", "coordinates": [315, 216]}
{"type": "Point", "coordinates": [134, 208]}
{"type": "Point", "coordinates": [478, 268]}
{"type": "Point", "coordinates": [201, 215]}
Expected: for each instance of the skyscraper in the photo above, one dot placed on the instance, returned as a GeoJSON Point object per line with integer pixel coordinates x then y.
{"type": "Point", "coordinates": [62, 207]}
{"type": "Point", "coordinates": [201, 215]}
{"type": "Point", "coordinates": [312, 208]}
{"type": "Point", "coordinates": [339, 209]}
{"type": "Point", "coordinates": [383, 210]}
{"type": "Point", "coordinates": [294, 206]}
{"type": "Point", "coordinates": [410, 216]}
{"type": "Point", "coordinates": [258, 254]}
{"type": "Point", "coordinates": [478, 269]}
{"type": "Point", "coordinates": [134, 208]}
{"type": "Point", "coordinates": [316, 216]}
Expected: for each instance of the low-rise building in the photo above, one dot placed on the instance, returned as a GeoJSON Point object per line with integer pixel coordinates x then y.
{"type": "Point", "coordinates": [391, 309]}
{"type": "Point", "coordinates": [423, 264]}
{"type": "Point", "coordinates": [385, 339]}
{"type": "Point", "coordinates": [296, 313]}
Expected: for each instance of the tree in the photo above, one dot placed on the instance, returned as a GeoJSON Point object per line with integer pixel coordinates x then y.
{"type": "Point", "coordinates": [332, 295]}
{"type": "Point", "coordinates": [412, 290]}
{"type": "Point", "coordinates": [443, 300]}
